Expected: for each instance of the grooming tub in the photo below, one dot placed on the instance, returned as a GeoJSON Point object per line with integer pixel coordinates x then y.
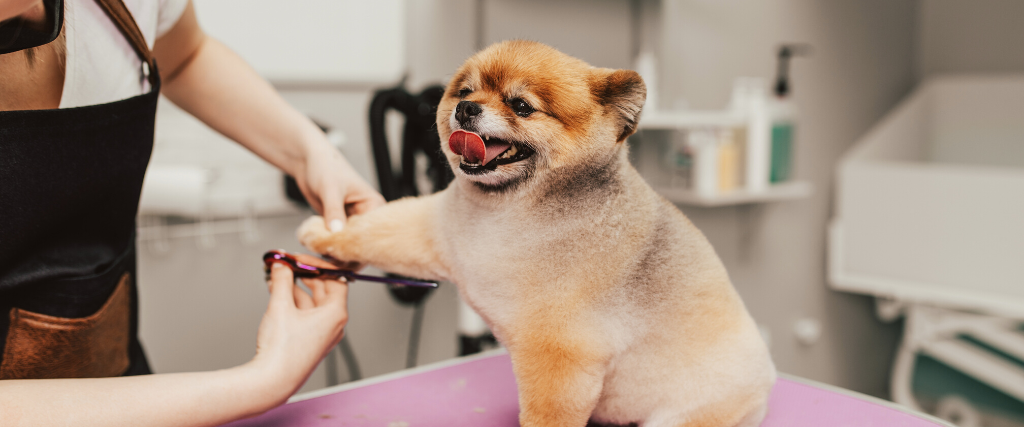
{"type": "Point", "coordinates": [930, 219]}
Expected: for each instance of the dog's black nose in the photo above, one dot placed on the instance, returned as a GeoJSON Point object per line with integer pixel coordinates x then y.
{"type": "Point", "coordinates": [466, 111]}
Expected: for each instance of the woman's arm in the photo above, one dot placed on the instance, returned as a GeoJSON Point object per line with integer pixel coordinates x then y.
{"type": "Point", "coordinates": [296, 331]}
{"type": "Point", "coordinates": [211, 82]}
{"type": "Point", "coordinates": [186, 399]}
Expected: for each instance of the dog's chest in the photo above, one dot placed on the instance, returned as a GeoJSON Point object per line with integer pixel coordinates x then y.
{"type": "Point", "coordinates": [509, 261]}
{"type": "Point", "coordinates": [491, 280]}
{"type": "Point", "coordinates": [495, 257]}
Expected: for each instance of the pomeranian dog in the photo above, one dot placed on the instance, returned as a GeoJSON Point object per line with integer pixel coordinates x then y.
{"type": "Point", "coordinates": [614, 308]}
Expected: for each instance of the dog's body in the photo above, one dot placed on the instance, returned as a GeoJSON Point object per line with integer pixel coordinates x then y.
{"type": "Point", "coordinates": [613, 306]}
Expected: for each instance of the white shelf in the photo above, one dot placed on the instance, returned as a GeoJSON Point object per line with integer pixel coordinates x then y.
{"type": "Point", "coordinates": [774, 193]}
{"type": "Point", "coordinates": [672, 120]}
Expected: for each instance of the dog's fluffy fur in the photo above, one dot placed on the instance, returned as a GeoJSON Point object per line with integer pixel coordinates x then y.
{"type": "Point", "coordinates": [613, 306]}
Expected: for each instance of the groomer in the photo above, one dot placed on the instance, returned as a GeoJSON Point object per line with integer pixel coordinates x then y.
{"type": "Point", "coordinates": [79, 81]}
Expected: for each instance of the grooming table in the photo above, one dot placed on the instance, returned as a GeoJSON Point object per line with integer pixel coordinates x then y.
{"type": "Point", "coordinates": [480, 390]}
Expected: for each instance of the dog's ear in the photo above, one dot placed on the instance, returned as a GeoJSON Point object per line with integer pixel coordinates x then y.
{"type": "Point", "coordinates": [624, 93]}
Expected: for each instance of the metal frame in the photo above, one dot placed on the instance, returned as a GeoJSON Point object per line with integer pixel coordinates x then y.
{"type": "Point", "coordinates": [934, 320]}
{"type": "Point", "coordinates": [934, 331]}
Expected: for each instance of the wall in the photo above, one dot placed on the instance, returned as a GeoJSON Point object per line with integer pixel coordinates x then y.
{"type": "Point", "coordinates": [278, 38]}
{"type": "Point", "coordinates": [443, 33]}
{"type": "Point", "coordinates": [970, 36]}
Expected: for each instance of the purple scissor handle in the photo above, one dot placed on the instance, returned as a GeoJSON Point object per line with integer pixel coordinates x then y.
{"type": "Point", "coordinates": [307, 271]}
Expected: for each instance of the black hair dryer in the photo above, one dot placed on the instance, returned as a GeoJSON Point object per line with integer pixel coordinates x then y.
{"type": "Point", "coordinates": [419, 138]}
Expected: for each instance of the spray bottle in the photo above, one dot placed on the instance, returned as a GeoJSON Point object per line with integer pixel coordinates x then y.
{"type": "Point", "coordinates": [782, 116]}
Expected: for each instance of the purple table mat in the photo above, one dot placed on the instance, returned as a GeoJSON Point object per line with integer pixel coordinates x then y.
{"type": "Point", "coordinates": [481, 391]}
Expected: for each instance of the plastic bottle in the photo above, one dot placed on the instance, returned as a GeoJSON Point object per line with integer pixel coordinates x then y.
{"type": "Point", "coordinates": [704, 143]}
{"type": "Point", "coordinates": [749, 100]}
{"type": "Point", "coordinates": [730, 158]}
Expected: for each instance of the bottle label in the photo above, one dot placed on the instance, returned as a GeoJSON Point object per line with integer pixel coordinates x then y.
{"type": "Point", "coordinates": [782, 151]}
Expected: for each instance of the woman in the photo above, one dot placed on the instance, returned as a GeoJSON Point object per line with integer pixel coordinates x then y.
{"type": "Point", "coordinates": [77, 105]}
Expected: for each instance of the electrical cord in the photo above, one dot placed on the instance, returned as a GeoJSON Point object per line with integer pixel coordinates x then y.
{"type": "Point", "coordinates": [414, 335]}
{"type": "Point", "coordinates": [331, 366]}
{"type": "Point", "coordinates": [354, 374]}
{"type": "Point", "coordinates": [349, 356]}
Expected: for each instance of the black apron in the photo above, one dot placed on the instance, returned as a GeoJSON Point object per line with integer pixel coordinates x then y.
{"type": "Point", "coordinates": [70, 181]}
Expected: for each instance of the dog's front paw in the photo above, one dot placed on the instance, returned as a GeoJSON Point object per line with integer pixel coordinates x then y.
{"type": "Point", "coordinates": [313, 234]}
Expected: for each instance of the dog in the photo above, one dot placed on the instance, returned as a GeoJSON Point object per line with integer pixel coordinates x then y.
{"type": "Point", "coordinates": [614, 308]}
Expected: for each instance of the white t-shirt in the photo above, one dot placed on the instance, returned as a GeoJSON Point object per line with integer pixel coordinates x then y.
{"type": "Point", "coordinates": [101, 65]}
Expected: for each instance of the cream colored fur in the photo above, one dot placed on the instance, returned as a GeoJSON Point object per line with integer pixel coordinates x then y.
{"type": "Point", "coordinates": [613, 306]}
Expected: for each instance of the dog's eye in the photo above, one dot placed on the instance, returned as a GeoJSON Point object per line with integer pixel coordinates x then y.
{"type": "Point", "coordinates": [520, 107]}
{"type": "Point", "coordinates": [465, 92]}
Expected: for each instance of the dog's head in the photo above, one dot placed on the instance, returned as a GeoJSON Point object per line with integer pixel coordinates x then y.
{"type": "Point", "coordinates": [518, 110]}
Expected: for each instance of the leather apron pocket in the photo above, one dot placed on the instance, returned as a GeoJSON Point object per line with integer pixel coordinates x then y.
{"type": "Point", "coordinates": [42, 346]}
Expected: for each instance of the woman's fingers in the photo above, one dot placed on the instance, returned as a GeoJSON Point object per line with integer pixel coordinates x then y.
{"type": "Point", "coordinates": [310, 196]}
{"type": "Point", "coordinates": [281, 284]}
{"type": "Point", "coordinates": [344, 265]}
{"type": "Point", "coordinates": [302, 299]}
{"type": "Point", "coordinates": [334, 209]}
{"type": "Point", "coordinates": [336, 295]}
{"type": "Point", "coordinates": [362, 198]}
{"type": "Point", "coordinates": [319, 290]}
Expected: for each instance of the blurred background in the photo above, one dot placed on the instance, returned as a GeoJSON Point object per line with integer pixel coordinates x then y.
{"type": "Point", "coordinates": [858, 165]}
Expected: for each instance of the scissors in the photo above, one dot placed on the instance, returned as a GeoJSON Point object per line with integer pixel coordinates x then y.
{"type": "Point", "coordinates": [312, 272]}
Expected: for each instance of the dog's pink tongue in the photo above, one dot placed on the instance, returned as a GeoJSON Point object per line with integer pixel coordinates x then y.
{"type": "Point", "coordinates": [472, 148]}
{"type": "Point", "coordinates": [494, 149]}
{"type": "Point", "coordinates": [468, 145]}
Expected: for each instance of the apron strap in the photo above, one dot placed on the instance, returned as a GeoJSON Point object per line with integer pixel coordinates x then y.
{"type": "Point", "coordinates": [122, 17]}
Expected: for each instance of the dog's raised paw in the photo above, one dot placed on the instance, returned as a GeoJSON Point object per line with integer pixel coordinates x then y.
{"type": "Point", "coordinates": [312, 233]}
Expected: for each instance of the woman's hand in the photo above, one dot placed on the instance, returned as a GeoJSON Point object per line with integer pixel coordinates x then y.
{"type": "Point", "coordinates": [298, 328]}
{"type": "Point", "coordinates": [333, 188]}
